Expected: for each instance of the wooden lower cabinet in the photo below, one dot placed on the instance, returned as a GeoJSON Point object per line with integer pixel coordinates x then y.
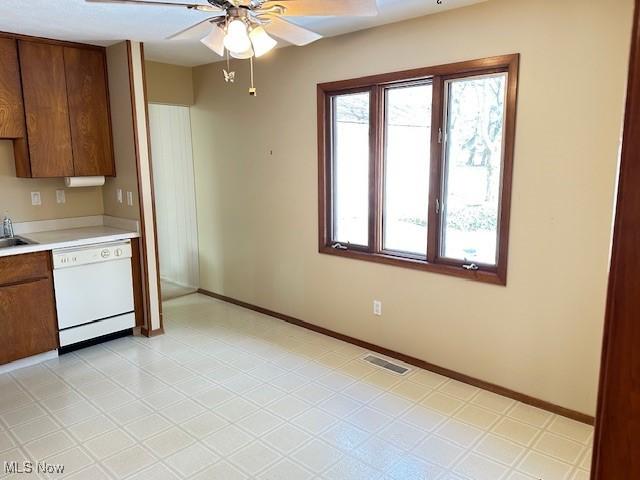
{"type": "Point", "coordinates": [28, 324]}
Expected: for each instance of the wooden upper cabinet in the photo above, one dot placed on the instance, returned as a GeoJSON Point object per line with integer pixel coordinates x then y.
{"type": "Point", "coordinates": [11, 107]}
{"type": "Point", "coordinates": [47, 113]}
{"type": "Point", "coordinates": [66, 105]}
{"type": "Point", "coordinates": [12, 119]}
{"type": "Point", "coordinates": [89, 112]}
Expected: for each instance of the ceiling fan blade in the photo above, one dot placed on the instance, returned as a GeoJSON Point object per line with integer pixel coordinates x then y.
{"type": "Point", "coordinates": [197, 29]}
{"type": "Point", "coordinates": [194, 6]}
{"type": "Point", "coordinates": [328, 8]}
{"type": "Point", "coordinates": [289, 32]}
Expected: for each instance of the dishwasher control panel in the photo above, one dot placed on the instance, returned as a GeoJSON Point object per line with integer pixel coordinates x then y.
{"type": "Point", "coordinates": [73, 257]}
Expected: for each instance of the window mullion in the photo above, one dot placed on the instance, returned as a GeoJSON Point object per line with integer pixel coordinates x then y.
{"type": "Point", "coordinates": [435, 174]}
{"type": "Point", "coordinates": [329, 169]}
{"type": "Point", "coordinates": [376, 120]}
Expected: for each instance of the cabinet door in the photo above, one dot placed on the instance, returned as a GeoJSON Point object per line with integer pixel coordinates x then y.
{"type": "Point", "coordinates": [89, 112]}
{"type": "Point", "coordinates": [27, 320]}
{"type": "Point", "coordinates": [11, 108]}
{"type": "Point", "coordinates": [45, 101]}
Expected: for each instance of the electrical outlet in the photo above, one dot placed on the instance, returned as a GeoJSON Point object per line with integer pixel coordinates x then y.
{"type": "Point", "coordinates": [60, 196]}
{"type": "Point", "coordinates": [36, 199]}
{"type": "Point", "coordinates": [377, 307]}
{"type": "Point", "coordinates": [119, 195]}
{"type": "Point", "coordinates": [130, 199]}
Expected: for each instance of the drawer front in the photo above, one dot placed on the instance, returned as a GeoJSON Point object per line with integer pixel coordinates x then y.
{"type": "Point", "coordinates": [28, 266]}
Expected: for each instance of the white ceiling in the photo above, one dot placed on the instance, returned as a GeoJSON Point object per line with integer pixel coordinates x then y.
{"type": "Point", "coordinates": [104, 24]}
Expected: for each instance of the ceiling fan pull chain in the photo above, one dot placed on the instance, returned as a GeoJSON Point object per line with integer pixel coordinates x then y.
{"type": "Point", "coordinates": [252, 90]}
{"type": "Point", "coordinates": [229, 76]}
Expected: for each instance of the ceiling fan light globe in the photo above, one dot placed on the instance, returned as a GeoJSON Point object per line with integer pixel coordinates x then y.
{"type": "Point", "coordinates": [215, 40]}
{"type": "Point", "coordinates": [262, 42]}
{"type": "Point", "coordinates": [237, 39]}
{"type": "Point", "coordinates": [242, 55]}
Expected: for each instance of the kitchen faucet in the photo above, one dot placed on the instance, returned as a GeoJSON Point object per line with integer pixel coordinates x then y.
{"type": "Point", "coordinates": [7, 228]}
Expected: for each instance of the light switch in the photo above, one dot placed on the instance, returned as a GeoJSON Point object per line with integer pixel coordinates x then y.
{"type": "Point", "coordinates": [36, 200]}
{"type": "Point", "coordinates": [119, 195]}
{"type": "Point", "coordinates": [60, 196]}
{"type": "Point", "coordinates": [130, 199]}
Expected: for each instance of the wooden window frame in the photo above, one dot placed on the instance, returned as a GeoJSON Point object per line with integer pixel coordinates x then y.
{"type": "Point", "coordinates": [376, 85]}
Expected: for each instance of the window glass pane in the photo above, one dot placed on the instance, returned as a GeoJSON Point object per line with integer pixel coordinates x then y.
{"type": "Point", "coordinates": [351, 168]}
{"type": "Point", "coordinates": [406, 181]}
{"type": "Point", "coordinates": [473, 163]}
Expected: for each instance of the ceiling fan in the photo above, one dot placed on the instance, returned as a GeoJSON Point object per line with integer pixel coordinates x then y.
{"type": "Point", "coordinates": [243, 28]}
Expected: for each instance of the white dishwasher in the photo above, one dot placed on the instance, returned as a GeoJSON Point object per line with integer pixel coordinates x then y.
{"type": "Point", "coordinates": [94, 291]}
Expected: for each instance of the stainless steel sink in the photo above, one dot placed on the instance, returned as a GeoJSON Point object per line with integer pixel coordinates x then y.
{"type": "Point", "coordinates": [13, 242]}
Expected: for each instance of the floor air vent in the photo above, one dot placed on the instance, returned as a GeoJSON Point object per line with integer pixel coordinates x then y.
{"type": "Point", "coordinates": [382, 363]}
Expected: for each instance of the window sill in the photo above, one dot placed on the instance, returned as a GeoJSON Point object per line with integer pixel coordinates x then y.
{"type": "Point", "coordinates": [484, 276]}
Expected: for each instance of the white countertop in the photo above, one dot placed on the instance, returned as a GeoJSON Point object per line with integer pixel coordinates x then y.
{"type": "Point", "coordinates": [72, 237]}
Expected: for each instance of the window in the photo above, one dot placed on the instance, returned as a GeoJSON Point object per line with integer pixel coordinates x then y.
{"type": "Point", "coordinates": [407, 134]}
{"type": "Point", "coordinates": [350, 157]}
{"type": "Point", "coordinates": [415, 167]}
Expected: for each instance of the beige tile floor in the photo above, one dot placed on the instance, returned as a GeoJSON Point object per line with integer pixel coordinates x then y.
{"type": "Point", "coordinates": [230, 394]}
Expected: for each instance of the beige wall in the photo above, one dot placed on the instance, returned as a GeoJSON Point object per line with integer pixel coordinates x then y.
{"type": "Point", "coordinates": [169, 84]}
{"type": "Point", "coordinates": [257, 211]}
{"type": "Point", "coordinates": [15, 194]}
{"type": "Point", "coordinates": [123, 137]}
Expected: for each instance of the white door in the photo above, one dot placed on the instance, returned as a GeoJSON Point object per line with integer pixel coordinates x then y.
{"type": "Point", "coordinates": [170, 130]}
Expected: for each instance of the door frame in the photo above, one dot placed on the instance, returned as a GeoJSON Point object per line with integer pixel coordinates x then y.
{"type": "Point", "coordinates": [150, 271]}
{"type": "Point", "coordinates": [195, 211]}
{"type": "Point", "coordinates": [617, 434]}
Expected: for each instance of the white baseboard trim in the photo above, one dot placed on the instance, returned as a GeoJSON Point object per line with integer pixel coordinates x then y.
{"type": "Point", "coordinates": [28, 362]}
